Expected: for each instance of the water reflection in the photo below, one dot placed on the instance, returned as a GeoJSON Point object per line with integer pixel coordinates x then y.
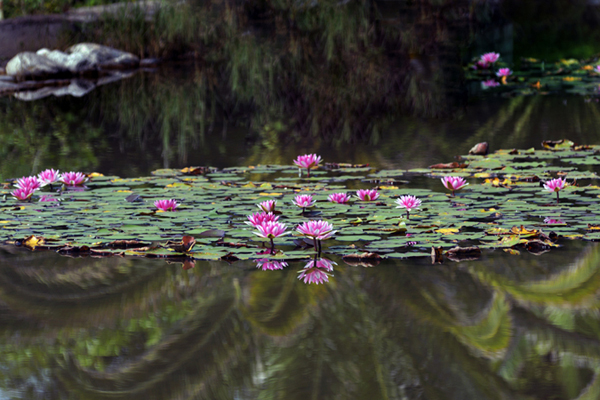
{"type": "Point", "coordinates": [504, 327]}
{"type": "Point", "coordinates": [129, 130]}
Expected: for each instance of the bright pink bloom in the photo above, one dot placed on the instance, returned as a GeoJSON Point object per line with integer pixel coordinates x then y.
{"type": "Point", "coordinates": [308, 161]}
{"type": "Point", "coordinates": [166, 205]}
{"type": "Point", "coordinates": [260, 217]}
{"type": "Point", "coordinates": [73, 178]}
{"type": "Point", "coordinates": [304, 201]}
{"type": "Point", "coordinates": [24, 193]}
{"type": "Point", "coordinates": [454, 183]}
{"type": "Point", "coordinates": [367, 194]}
{"type": "Point", "coordinates": [489, 83]}
{"type": "Point", "coordinates": [504, 72]}
{"type": "Point", "coordinates": [597, 69]}
{"type": "Point", "coordinates": [267, 206]}
{"type": "Point", "coordinates": [48, 176]}
{"type": "Point", "coordinates": [320, 230]}
{"type": "Point", "coordinates": [409, 202]}
{"type": "Point", "coordinates": [340, 198]}
{"type": "Point", "coordinates": [271, 230]}
{"type": "Point", "coordinates": [45, 198]}
{"type": "Point", "coordinates": [490, 58]}
{"type": "Point", "coordinates": [270, 265]}
{"type": "Point", "coordinates": [28, 182]}
{"type": "Point", "coordinates": [555, 185]}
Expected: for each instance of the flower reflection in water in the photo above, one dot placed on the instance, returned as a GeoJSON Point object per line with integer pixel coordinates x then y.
{"type": "Point", "coordinates": [316, 271]}
{"type": "Point", "coordinates": [270, 265]}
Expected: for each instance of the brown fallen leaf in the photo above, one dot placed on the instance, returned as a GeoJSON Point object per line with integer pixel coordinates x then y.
{"type": "Point", "coordinates": [186, 244]}
{"type": "Point", "coordinates": [437, 256]}
{"type": "Point", "coordinates": [451, 165]}
{"type": "Point", "coordinates": [463, 253]}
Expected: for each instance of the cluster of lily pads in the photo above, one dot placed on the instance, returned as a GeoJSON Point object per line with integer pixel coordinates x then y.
{"type": "Point", "coordinates": [535, 76]}
{"type": "Point", "coordinates": [204, 213]}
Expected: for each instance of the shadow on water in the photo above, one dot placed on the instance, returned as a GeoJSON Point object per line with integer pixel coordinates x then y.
{"type": "Point", "coordinates": [503, 327]}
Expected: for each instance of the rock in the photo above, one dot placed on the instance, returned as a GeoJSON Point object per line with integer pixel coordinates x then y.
{"type": "Point", "coordinates": [76, 63]}
{"type": "Point", "coordinates": [480, 149]}
{"type": "Point", "coordinates": [33, 66]}
{"type": "Point", "coordinates": [105, 57]}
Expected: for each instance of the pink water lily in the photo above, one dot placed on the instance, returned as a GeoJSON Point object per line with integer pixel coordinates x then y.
{"type": "Point", "coordinates": [308, 161]}
{"type": "Point", "coordinates": [555, 185]}
{"type": "Point", "coordinates": [454, 183]}
{"type": "Point", "coordinates": [319, 230]}
{"type": "Point", "coordinates": [271, 230]}
{"type": "Point", "coordinates": [261, 217]}
{"type": "Point", "coordinates": [28, 182]}
{"type": "Point", "coordinates": [48, 176]}
{"type": "Point", "coordinates": [166, 205]}
{"type": "Point", "coordinates": [316, 271]}
{"type": "Point", "coordinates": [304, 201]}
{"type": "Point", "coordinates": [73, 178]}
{"type": "Point", "coordinates": [408, 202]}
{"type": "Point", "coordinates": [367, 194]}
{"type": "Point", "coordinates": [490, 58]}
{"type": "Point", "coordinates": [504, 72]}
{"type": "Point", "coordinates": [267, 206]}
{"type": "Point", "coordinates": [489, 83]}
{"type": "Point", "coordinates": [270, 265]}
{"type": "Point", "coordinates": [340, 198]}
{"type": "Point", "coordinates": [552, 221]}
{"type": "Point", "coordinates": [24, 193]}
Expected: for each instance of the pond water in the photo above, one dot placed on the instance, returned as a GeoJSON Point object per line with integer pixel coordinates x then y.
{"type": "Point", "coordinates": [502, 327]}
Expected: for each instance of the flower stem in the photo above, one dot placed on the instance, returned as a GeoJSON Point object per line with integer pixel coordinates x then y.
{"type": "Point", "coordinates": [407, 214]}
{"type": "Point", "coordinates": [557, 198]}
{"type": "Point", "coordinates": [308, 172]}
{"type": "Point", "coordinates": [272, 247]}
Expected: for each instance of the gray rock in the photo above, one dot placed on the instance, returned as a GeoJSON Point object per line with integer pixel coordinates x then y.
{"type": "Point", "coordinates": [76, 63]}
{"type": "Point", "coordinates": [34, 66]}
{"type": "Point", "coordinates": [105, 57]}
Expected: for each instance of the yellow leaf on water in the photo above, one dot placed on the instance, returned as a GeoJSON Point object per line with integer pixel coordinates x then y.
{"type": "Point", "coordinates": [33, 241]}
{"type": "Point", "coordinates": [448, 231]}
{"type": "Point", "coordinates": [95, 174]}
{"type": "Point", "coordinates": [270, 194]}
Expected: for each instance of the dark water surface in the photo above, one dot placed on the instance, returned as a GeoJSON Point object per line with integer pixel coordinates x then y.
{"type": "Point", "coordinates": [170, 119]}
{"type": "Point", "coordinates": [503, 327]}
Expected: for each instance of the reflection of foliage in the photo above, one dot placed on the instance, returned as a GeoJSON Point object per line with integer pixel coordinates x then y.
{"type": "Point", "coordinates": [328, 69]}
{"type": "Point", "coordinates": [277, 303]}
{"type": "Point", "coordinates": [37, 135]}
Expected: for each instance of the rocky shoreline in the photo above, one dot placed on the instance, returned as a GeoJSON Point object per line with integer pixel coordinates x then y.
{"type": "Point", "coordinates": [84, 66]}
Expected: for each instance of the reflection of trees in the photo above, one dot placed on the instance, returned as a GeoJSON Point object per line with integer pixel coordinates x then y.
{"type": "Point", "coordinates": [482, 330]}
